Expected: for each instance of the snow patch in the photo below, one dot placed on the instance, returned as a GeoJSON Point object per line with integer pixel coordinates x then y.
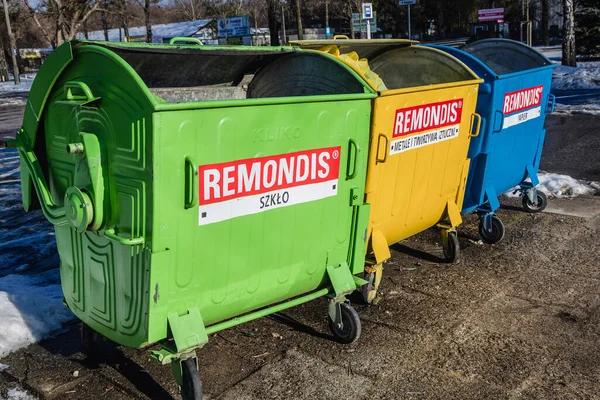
{"type": "Point", "coordinates": [19, 394]}
{"type": "Point", "coordinates": [31, 307]}
{"type": "Point", "coordinates": [585, 76]}
{"type": "Point", "coordinates": [561, 186]}
{"type": "Point", "coordinates": [24, 86]}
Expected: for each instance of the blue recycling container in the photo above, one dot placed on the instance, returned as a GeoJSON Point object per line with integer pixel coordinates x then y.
{"type": "Point", "coordinates": [513, 102]}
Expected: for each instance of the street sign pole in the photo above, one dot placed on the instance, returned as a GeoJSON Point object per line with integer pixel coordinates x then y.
{"type": "Point", "coordinates": [408, 3]}
{"type": "Point", "coordinates": [367, 14]}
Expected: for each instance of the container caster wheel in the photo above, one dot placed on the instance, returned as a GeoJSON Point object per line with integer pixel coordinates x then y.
{"type": "Point", "coordinates": [452, 248]}
{"type": "Point", "coordinates": [542, 202]}
{"type": "Point", "coordinates": [496, 232]}
{"type": "Point", "coordinates": [348, 331]}
{"type": "Point", "coordinates": [91, 342]}
{"type": "Point", "coordinates": [373, 278]}
{"type": "Point", "coordinates": [191, 386]}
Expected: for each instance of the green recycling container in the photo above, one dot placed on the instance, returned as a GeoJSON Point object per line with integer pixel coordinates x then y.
{"type": "Point", "coordinates": [192, 189]}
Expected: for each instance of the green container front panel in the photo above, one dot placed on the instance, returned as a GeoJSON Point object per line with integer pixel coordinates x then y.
{"type": "Point", "coordinates": [251, 244]}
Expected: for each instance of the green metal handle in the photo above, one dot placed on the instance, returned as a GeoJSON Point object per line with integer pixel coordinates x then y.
{"type": "Point", "coordinates": [191, 183]}
{"type": "Point", "coordinates": [69, 86]}
{"type": "Point", "coordinates": [53, 212]}
{"type": "Point", "coordinates": [185, 40]}
{"type": "Point", "coordinates": [85, 97]}
{"type": "Point", "coordinates": [352, 143]}
{"type": "Point", "coordinates": [110, 233]}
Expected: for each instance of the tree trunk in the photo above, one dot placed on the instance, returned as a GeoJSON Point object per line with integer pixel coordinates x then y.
{"type": "Point", "coordinates": [147, 20]}
{"type": "Point", "coordinates": [545, 17]}
{"type": "Point", "coordinates": [299, 20]}
{"type": "Point", "coordinates": [272, 11]}
{"type": "Point", "coordinates": [568, 48]}
{"type": "Point", "coordinates": [3, 65]}
{"type": "Point", "coordinates": [104, 21]}
{"type": "Point", "coordinates": [12, 44]}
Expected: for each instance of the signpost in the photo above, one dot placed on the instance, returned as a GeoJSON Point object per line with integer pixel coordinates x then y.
{"type": "Point", "coordinates": [408, 3]}
{"type": "Point", "coordinates": [234, 27]}
{"type": "Point", "coordinates": [360, 25]}
{"type": "Point", "coordinates": [367, 13]}
{"type": "Point", "coordinates": [491, 14]}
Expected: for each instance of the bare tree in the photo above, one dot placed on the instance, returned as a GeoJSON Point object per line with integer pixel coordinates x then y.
{"type": "Point", "coordinates": [568, 47]}
{"type": "Point", "coordinates": [66, 16]}
{"type": "Point", "coordinates": [192, 9]}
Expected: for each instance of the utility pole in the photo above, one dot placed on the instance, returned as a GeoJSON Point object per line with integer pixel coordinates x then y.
{"type": "Point", "coordinates": [12, 44]}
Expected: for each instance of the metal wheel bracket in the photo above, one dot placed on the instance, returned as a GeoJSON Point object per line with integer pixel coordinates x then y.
{"type": "Point", "coordinates": [487, 220]}
{"type": "Point", "coordinates": [335, 310]}
{"type": "Point", "coordinates": [531, 193]}
{"type": "Point", "coordinates": [444, 231]}
{"type": "Point", "coordinates": [375, 272]}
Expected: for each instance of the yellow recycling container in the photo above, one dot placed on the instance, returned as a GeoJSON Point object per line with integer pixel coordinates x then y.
{"type": "Point", "coordinates": [423, 120]}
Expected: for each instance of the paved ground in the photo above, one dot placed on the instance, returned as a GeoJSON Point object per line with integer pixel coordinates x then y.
{"type": "Point", "coordinates": [520, 319]}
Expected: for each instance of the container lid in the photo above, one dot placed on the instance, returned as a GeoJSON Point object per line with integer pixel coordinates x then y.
{"type": "Point", "coordinates": [366, 48]}
{"type": "Point", "coordinates": [398, 63]}
{"type": "Point", "coordinates": [505, 56]}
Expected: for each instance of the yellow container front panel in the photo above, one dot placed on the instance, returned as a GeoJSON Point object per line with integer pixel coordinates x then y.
{"type": "Point", "coordinates": [418, 160]}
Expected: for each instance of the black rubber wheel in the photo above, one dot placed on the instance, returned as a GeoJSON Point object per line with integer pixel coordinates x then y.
{"type": "Point", "coordinates": [191, 388]}
{"type": "Point", "coordinates": [91, 342]}
{"type": "Point", "coordinates": [452, 251]}
{"type": "Point", "coordinates": [350, 332]}
{"type": "Point", "coordinates": [497, 233]}
{"type": "Point", "coordinates": [542, 202]}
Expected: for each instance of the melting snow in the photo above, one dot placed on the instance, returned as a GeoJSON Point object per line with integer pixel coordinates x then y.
{"type": "Point", "coordinates": [31, 306]}
{"type": "Point", "coordinates": [585, 76]}
{"type": "Point", "coordinates": [24, 86]}
{"type": "Point", "coordinates": [561, 186]}
{"type": "Point", "coordinates": [19, 394]}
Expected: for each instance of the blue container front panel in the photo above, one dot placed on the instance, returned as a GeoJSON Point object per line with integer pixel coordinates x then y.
{"type": "Point", "coordinates": [511, 141]}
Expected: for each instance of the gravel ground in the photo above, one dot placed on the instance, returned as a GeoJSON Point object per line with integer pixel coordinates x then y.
{"type": "Point", "coordinates": [519, 319]}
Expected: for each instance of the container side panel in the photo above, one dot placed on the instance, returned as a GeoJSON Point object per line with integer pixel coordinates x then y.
{"type": "Point", "coordinates": [254, 240]}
